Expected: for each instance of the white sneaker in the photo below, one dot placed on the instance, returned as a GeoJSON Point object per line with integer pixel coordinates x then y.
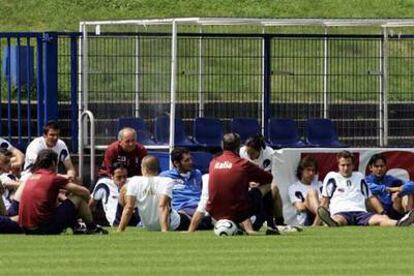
{"type": "Point", "coordinates": [285, 229]}
{"type": "Point", "coordinates": [407, 219]}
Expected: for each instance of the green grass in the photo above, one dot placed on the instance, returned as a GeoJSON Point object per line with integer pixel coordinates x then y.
{"type": "Point", "coordinates": [45, 15]}
{"type": "Point", "coordinates": [320, 251]}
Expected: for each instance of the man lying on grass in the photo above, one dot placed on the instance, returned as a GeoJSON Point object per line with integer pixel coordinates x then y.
{"type": "Point", "coordinates": [345, 191]}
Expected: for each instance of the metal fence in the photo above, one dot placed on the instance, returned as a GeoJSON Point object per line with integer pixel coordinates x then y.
{"type": "Point", "coordinates": [359, 81]}
{"type": "Point", "coordinates": [363, 83]}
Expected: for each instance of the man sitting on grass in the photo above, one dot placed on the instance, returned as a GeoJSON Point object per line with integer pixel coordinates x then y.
{"type": "Point", "coordinates": [152, 195]}
{"type": "Point", "coordinates": [345, 191]}
{"type": "Point", "coordinates": [107, 191]}
{"type": "Point", "coordinates": [39, 212]}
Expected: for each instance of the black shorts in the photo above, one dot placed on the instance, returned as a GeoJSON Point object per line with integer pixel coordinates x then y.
{"type": "Point", "coordinates": [65, 216]}
{"type": "Point", "coordinates": [184, 222]}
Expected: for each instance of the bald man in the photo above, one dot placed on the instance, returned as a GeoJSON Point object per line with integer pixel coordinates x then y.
{"type": "Point", "coordinates": [151, 194]}
{"type": "Point", "coordinates": [126, 151]}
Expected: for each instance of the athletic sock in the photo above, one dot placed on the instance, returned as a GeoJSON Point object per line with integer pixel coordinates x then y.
{"type": "Point", "coordinates": [91, 225]}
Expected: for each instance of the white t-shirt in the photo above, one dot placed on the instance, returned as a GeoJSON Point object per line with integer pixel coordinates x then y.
{"type": "Point", "coordinates": [5, 144]}
{"type": "Point", "coordinates": [346, 194]}
{"type": "Point", "coordinates": [298, 191]}
{"type": "Point", "coordinates": [39, 144]}
{"type": "Point", "coordinates": [264, 160]}
{"type": "Point", "coordinates": [202, 204]}
{"type": "Point", "coordinates": [107, 191]}
{"type": "Point", "coordinates": [147, 191]}
{"type": "Point", "coordinates": [5, 177]}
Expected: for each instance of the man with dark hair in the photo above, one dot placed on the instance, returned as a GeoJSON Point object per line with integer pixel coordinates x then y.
{"type": "Point", "coordinates": [345, 193]}
{"type": "Point", "coordinates": [395, 195]}
{"type": "Point", "coordinates": [107, 191]}
{"type": "Point", "coordinates": [305, 193]}
{"type": "Point", "coordinates": [152, 195]}
{"type": "Point", "coordinates": [38, 212]}
{"type": "Point", "coordinates": [187, 185]}
{"type": "Point", "coordinates": [127, 151]}
{"type": "Point", "coordinates": [229, 196]}
{"type": "Point", "coordinates": [50, 140]}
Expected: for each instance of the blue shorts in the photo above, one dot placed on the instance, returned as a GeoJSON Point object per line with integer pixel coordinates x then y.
{"type": "Point", "coordinates": [8, 226]}
{"type": "Point", "coordinates": [13, 209]}
{"type": "Point", "coordinates": [357, 218]}
{"type": "Point", "coordinates": [392, 213]}
{"type": "Point", "coordinates": [65, 216]}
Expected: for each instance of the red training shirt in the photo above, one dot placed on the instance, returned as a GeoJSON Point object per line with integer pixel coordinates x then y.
{"type": "Point", "coordinates": [39, 198]}
{"type": "Point", "coordinates": [228, 186]}
{"type": "Point", "coordinates": [132, 160]}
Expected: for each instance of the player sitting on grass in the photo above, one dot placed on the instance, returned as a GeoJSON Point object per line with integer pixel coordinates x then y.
{"type": "Point", "coordinates": [38, 210]}
{"type": "Point", "coordinates": [305, 193]}
{"type": "Point", "coordinates": [256, 151]}
{"type": "Point", "coordinates": [107, 191]}
{"type": "Point", "coordinates": [188, 185]}
{"type": "Point", "coordinates": [395, 195]}
{"type": "Point", "coordinates": [345, 192]}
{"type": "Point", "coordinates": [152, 195]}
{"type": "Point", "coordinates": [229, 193]}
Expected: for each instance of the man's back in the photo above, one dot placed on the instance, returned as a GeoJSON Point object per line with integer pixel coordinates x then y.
{"type": "Point", "coordinates": [229, 181]}
{"type": "Point", "coordinates": [39, 198]}
{"type": "Point", "coordinates": [347, 194]}
{"type": "Point", "coordinates": [148, 191]}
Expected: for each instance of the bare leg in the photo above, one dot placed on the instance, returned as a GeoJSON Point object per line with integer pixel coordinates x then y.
{"type": "Point", "coordinates": [277, 205]}
{"type": "Point", "coordinates": [381, 220]}
{"type": "Point", "coordinates": [397, 203]}
{"type": "Point", "coordinates": [340, 220]}
{"type": "Point", "coordinates": [407, 203]}
{"type": "Point", "coordinates": [312, 203]}
{"type": "Point", "coordinates": [83, 208]}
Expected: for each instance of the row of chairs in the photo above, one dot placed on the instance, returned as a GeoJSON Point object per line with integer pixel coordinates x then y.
{"type": "Point", "coordinates": [208, 132]}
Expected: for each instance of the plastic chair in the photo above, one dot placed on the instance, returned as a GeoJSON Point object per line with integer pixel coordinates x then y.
{"type": "Point", "coordinates": [163, 157]}
{"type": "Point", "coordinates": [162, 132]}
{"type": "Point", "coordinates": [208, 132]}
{"type": "Point", "coordinates": [283, 133]}
{"type": "Point", "coordinates": [143, 135]}
{"type": "Point", "coordinates": [201, 160]}
{"type": "Point", "coordinates": [322, 133]}
{"type": "Point", "coordinates": [245, 127]}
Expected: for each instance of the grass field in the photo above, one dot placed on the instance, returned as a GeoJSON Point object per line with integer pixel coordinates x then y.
{"type": "Point", "coordinates": [315, 251]}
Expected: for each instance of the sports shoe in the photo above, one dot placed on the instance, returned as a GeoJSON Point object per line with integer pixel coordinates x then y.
{"type": "Point", "coordinates": [407, 219]}
{"type": "Point", "coordinates": [98, 230]}
{"type": "Point", "coordinates": [325, 216]}
{"type": "Point", "coordinates": [79, 228]}
{"type": "Point", "coordinates": [272, 231]}
{"type": "Point", "coordinates": [285, 229]}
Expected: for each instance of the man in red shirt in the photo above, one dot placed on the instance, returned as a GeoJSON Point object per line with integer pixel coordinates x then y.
{"type": "Point", "coordinates": [228, 187]}
{"type": "Point", "coordinates": [39, 211]}
{"type": "Point", "coordinates": [127, 151]}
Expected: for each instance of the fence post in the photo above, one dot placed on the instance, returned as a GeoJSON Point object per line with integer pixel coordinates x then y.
{"type": "Point", "coordinates": [50, 76]}
{"type": "Point", "coordinates": [267, 72]}
{"type": "Point", "coordinates": [73, 90]}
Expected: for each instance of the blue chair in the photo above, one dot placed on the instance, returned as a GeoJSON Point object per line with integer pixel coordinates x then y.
{"type": "Point", "coordinates": [245, 127]}
{"type": "Point", "coordinates": [322, 133]}
{"type": "Point", "coordinates": [163, 157]}
{"type": "Point", "coordinates": [143, 135]}
{"type": "Point", "coordinates": [283, 133]}
{"type": "Point", "coordinates": [208, 132]}
{"type": "Point", "coordinates": [162, 132]}
{"type": "Point", "coordinates": [201, 160]}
